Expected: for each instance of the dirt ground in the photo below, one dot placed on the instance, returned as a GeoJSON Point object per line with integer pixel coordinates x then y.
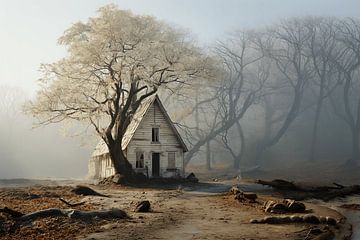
{"type": "Point", "coordinates": [178, 213]}
{"type": "Point", "coordinates": [187, 215]}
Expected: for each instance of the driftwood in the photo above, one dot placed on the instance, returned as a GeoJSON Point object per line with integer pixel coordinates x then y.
{"type": "Point", "coordinates": [300, 192]}
{"type": "Point", "coordinates": [20, 218]}
{"type": "Point", "coordinates": [71, 204]}
{"type": "Point", "coordinates": [11, 212]}
{"type": "Point", "coordinates": [307, 218]}
{"type": "Point", "coordinates": [86, 191]}
{"type": "Point", "coordinates": [284, 206]}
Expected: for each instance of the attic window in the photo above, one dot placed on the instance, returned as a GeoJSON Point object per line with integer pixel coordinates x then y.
{"type": "Point", "coordinates": [155, 135]}
{"type": "Point", "coordinates": [139, 160]}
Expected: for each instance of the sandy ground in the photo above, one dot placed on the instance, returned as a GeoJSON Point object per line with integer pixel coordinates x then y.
{"type": "Point", "coordinates": [199, 215]}
{"type": "Point", "coordinates": [197, 212]}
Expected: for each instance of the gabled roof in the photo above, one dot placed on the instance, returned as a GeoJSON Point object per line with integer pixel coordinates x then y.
{"type": "Point", "coordinates": [101, 147]}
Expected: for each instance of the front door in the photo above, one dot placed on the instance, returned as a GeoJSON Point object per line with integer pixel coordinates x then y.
{"type": "Point", "coordinates": [156, 164]}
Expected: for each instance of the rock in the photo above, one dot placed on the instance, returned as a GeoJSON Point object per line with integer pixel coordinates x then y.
{"type": "Point", "coordinates": [322, 219]}
{"type": "Point", "coordinates": [278, 208]}
{"type": "Point", "coordinates": [296, 218]}
{"type": "Point", "coordinates": [268, 205]}
{"type": "Point", "coordinates": [271, 220]}
{"type": "Point", "coordinates": [192, 178]}
{"type": "Point", "coordinates": [118, 179]}
{"type": "Point", "coordinates": [331, 221]}
{"type": "Point", "coordinates": [311, 218]}
{"type": "Point", "coordinates": [287, 205]}
{"type": "Point", "coordinates": [294, 206]}
{"type": "Point", "coordinates": [143, 206]}
{"type": "Point", "coordinates": [286, 219]}
{"type": "Point", "coordinates": [254, 221]}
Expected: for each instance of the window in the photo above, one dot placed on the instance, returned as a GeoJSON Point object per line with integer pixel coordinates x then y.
{"type": "Point", "coordinates": [171, 160]}
{"type": "Point", "coordinates": [139, 160]}
{"type": "Point", "coordinates": [155, 135]}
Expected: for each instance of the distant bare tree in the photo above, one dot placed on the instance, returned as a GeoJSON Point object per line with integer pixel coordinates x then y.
{"type": "Point", "coordinates": [238, 90]}
{"type": "Point", "coordinates": [285, 45]}
{"type": "Point", "coordinates": [322, 48]}
{"type": "Point", "coordinates": [347, 60]}
{"type": "Point", "coordinates": [11, 101]}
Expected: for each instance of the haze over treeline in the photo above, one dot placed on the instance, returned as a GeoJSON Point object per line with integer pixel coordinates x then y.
{"type": "Point", "coordinates": [288, 92]}
{"type": "Point", "coordinates": [40, 152]}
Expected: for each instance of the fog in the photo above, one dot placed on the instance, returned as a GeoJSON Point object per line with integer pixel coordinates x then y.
{"type": "Point", "coordinates": [41, 152]}
{"type": "Point", "coordinates": [277, 112]}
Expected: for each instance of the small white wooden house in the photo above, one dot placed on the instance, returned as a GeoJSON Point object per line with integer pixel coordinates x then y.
{"type": "Point", "coordinates": [151, 144]}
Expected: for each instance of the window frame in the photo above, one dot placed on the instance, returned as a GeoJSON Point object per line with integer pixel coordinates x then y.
{"type": "Point", "coordinates": [138, 163]}
{"type": "Point", "coordinates": [155, 135]}
{"type": "Point", "coordinates": [169, 167]}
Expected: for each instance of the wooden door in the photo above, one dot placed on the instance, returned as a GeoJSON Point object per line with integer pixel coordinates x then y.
{"type": "Point", "coordinates": [156, 164]}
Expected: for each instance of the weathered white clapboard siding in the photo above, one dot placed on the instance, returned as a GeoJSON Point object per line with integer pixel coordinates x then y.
{"type": "Point", "coordinates": [141, 141]}
{"type": "Point", "coordinates": [168, 142]}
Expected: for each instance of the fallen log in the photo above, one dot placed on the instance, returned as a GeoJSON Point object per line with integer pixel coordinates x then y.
{"type": "Point", "coordinates": [279, 184]}
{"type": "Point", "coordinates": [86, 191]}
{"type": "Point", "coordinates": [11, 212]}
{"type": "Point", "coordinates": [113, 213]}
{"type": "Point", "coordinates": [307, 218]}
{"type": "Point", "coordinates": [298, 191]}
{"type": "Point", "coordinates": [74, 214]}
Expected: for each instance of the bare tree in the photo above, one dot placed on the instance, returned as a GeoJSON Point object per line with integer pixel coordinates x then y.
{"type": "Point", "coordinates": [114, 62]}
{"type": "Point", "coordinates": [285, 45]}
{"type": "Point", "coordinates": [236, 152]}
{"type": "Point", "coordinates": [238, 90]}
{"type": "Point", "coordinates": [347, 61]}
{"type": "Point", "coordinates": [322, 47]}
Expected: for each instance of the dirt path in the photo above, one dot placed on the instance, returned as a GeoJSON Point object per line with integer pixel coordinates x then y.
{"type": "Point", "coordinates": [193, 216]}
{"type": "Point", "coordinates": [192, 212]}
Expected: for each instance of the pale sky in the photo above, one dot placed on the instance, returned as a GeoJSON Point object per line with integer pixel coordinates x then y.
{"type": "Point", "coordinates": [29, 28]}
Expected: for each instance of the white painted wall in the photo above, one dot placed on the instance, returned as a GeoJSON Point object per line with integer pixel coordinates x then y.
{"type": "Point", "coordinates": [141, 141]}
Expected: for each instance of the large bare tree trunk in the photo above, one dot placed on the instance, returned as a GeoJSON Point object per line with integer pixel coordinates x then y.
{"type": "Point", "coordinates": [290, 117]}
{"type": "Point", "coordinates": [239, 157]}
{"type": "Point", "coordinates": [208, 156]}
{"type": "Point", "coordinates": [119, 160]}
{"type": "Point", "coordinates": [355, 146]}
{"type": "Point", "coordinates": [314, 134]}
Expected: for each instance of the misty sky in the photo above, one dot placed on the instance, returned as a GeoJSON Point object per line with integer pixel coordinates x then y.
{"type": "Point", "coordinates": [29, 29]}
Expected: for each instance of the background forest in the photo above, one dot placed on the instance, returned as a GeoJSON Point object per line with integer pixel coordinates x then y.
{"type": "Point", "coordinates": [278, 95]}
